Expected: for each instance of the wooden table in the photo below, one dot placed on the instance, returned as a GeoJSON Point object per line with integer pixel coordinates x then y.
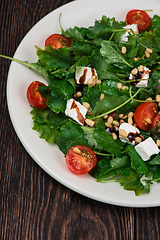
{"type": "Point", "coordinates": [33, 205]}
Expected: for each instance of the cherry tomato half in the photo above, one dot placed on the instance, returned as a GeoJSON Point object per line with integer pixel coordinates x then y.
{"type": "Point", "coordinates": [156, 121]}
{"type": "Point", "coordinates": [138, 17]}
{"type": "Point", "coordinates": [34, 97]}
{"type": "Point", "coordinates": [81, 159]}
{"type": "Point", "coordinates": [57, 41]}
{"type": "Point", "coordinates": [144, 115]}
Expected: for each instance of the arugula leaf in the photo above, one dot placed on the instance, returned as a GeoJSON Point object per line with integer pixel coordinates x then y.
{"type": "Point", "coordinates": [132, 183]}
{"type": "Point", "coordinates": [105, 142]}
{"type": "Point", "coordinates": [47, 123]}
{"type": "Point", "coordinates": [113, 55]}
{"type": "Point", "coordinates": [70, 134]}
{"type": "Point", "coordinates": [136, 161]}
{"type": "Point", "coordinates": [108, 103]}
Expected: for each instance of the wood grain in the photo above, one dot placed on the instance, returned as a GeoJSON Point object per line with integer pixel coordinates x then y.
{"type": "Point", "coordinates": [33, 205]}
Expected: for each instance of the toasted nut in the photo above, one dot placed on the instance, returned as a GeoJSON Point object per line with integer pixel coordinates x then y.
{"type": "Point", "coordinates": [90, 81]}
{"type": "Point", "coordinates": [147, 54]}
{"type": "Point", "coordinates": [123, 133]}
{"type": "Point", "coordinates": [149, 50]}
{"type": "Point", "coordinates": [86, 105]}
{"type": "Point", "coordinates": [95, 78]}
{"type": "Point", "coordinates": [114, 136]}
{"type": "Point", "coordinates": [136, 59]}
{"type": "Point", "coordinates": [130, 114]}
{"type": "Point", "coordinates": [157, 98]}
{"type": "Point", "coordinates": [148, 120]}
{"type": "Point", "coordinates": [119, 85]}
{"type": "Point", "coordinates": [138, 139]}
{"type": "Point", "coordinates": [124, 87]}
{"type": "Point", "coordinates": [110, 119]}
{"type": "Point", "coordinates": [107, 124]}
{"type": "Point", "coordinates": [130, 120]}
{"type": "Point", "coordinates": [158, 143]}
{"type": "Point", "coordinates": [121, 121]}
{"type": "Point", "coordinates": [122, 116]}
{"type": "Point", "coordinates": [89, 122]}
{"type": "Point", "coordinates": [102, 96]}
{"type": "Point", "coordinates": [149, 99]}
{"type": "Point", "coordinates": [77, 150]}
{"type": "Point", "coordinates": [105, 116]}
{"type": "Point", "coordinates": [92, 84]}
{"type": "Point", "coordinates": [134, 71]}
{"type": "Point", "coordinates": [116, 123]}
{"type": "Point", "coordinates": [141, 68]}
{"type": "Point", "coordinates": [124, 50]}
{"type": "Point", "coordinates": [99, 82]}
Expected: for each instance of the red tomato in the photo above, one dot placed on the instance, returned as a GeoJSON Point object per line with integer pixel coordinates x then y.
{"type": "Point", "coordinates": [156, 121]}
{"type": "Point", "coordinates": [138, 17]}
{"type": "Point", "coordinates": [57, 41]}
{"type": "Point", "coordinates": [34, 97]}
{"type": "Point", "coordinates": [81, 161]}
{"type": "Point", "coordinates": [144, 115]}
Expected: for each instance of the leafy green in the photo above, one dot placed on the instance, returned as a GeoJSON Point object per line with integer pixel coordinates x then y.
{"type": "Point", "coordinates": [99, 46]}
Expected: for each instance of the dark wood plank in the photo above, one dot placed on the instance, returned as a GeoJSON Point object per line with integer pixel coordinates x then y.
{"type": "Point", "coordinates": [34, 205]}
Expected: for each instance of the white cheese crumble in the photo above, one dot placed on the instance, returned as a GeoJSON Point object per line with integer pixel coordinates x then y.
{"type": "Point", "coordinates": [130, 130]}
{"type": "Point", "coordinates": [83, 74]}
{"type": "Point", "coordinates": [147, 148]}
{"type": "Point", "coordinates": [124, 37]}
{"type": "Point", "coordinates": [76, 111]}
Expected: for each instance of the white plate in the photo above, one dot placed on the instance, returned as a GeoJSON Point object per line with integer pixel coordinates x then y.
{"type": "Point", "coordinates": [48, 157]}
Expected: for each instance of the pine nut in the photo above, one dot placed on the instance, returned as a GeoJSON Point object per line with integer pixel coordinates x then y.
{"type": "Point", "coordinates": [105, 116]}
{"type": "Point", "coordinates": [124, 87]}
{"type": "Point", "coordinates": [99, 82]}
{"type": "Point", "coordinates": [110, 119]}
{"type": "Point", "coordinates": [158, 143]}
{"type": "Point", "coordinates": [149, 99]}
{"type": "Point", "coordinates": [77, 150]}
{"type": "Point", "coordinates": [148, 120]}
{"type": "Point", "coordinates": [107, 124]}
{"type": "Point", "coordinates": [123, 133]}
{"type": "Point", "coordinates": [114, 136]}
{"type": "Point", "coordinates": [89, 122]}
{"type": "Point", "coordinates": [124, 50]}
{"type": "Point", "coordinates": [119, 85]}
{"type": "Point", "coordinates": [138, 139]}
{"type": "Point", "coordinates": [86, 105]}
{"type": "Point", "coordinates": [79, 94]}
{"type": "Point", "coordinates": [157, 98]}
{"type": "Point", "coordinates": [141, 68]}
{"type": "Point", "coordinates": [130, 114]}
{"type": "Point", "coordinates": [90, 81]}
{"type": "Point", "coordinates": [147, 54]}
{"type": "Point", "coordinates": [130, 120]}
{"type": "Point", "coordinates": [136, 59]}
{"type": "Point", "coordinates": [121, 121]}
{"type": "Point", "coordinates": [122, 116]}
{"type": "Point", "coordinates": [102, 96]}
{"type": "Point", "coordinates": [134, 71]}
{"type": "Point", "coordinates": [149, 50]}
{"type": "Point", "coordinates": [116, 123]}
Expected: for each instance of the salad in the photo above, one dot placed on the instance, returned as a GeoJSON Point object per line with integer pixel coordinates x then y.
{"type": "Point", "coordinates": [101, 105]}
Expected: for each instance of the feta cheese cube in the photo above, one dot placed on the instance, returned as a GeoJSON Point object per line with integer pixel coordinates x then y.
{"type": "Point", "coordinates": [76, 111]}
{"type": "Point", "coordinates": [131, 133]}
{"type": "Point", "coordinates": [124, 37]}
{"type": "Point", "coordinates": [83, 74]}
{"type": "Point", "coordinates": [147, 148]}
